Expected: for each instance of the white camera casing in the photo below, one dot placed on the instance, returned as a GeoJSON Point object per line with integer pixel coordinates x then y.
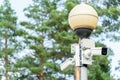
{"type": "Point", "coordinates": [67, 64]}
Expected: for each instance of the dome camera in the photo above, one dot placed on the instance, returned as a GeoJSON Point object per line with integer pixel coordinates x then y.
{"type": "Point", "coordinates": [83, 19]}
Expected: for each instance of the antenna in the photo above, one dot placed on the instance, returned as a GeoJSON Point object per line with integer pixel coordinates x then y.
{"type": "Point", "coordinates": [86, 1]}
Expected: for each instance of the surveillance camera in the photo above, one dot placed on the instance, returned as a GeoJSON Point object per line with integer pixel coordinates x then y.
{"type": "Point", "coordinates": [99, 51]}
{"type": "Point", "coordinates": [88, 53]}
{"type": "Point", "coordinates": [66, 65]}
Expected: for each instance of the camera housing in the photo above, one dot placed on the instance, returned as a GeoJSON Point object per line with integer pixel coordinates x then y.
{"type": "Point", "coordinates": [99, 51]}
{"type": "Point", "coordinates": [89, 53]}
{"type": "Point", "coordinates": [67, 64]}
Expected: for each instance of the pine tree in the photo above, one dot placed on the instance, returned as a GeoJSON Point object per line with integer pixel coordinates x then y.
{"type": "Point", "coordinates": [8, 41]}
{"type": "Point", "coordinates": [39, 64]}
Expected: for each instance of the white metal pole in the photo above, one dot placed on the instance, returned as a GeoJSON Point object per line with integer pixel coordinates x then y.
{"type": "Point", "coordinates": [83, 67]}
{"type": "Point", "coordinates": [77, 63]}
{"type": "Point", "coordinates": [83, 73]}
{"type": "Point", "coordinates": [80, 69]}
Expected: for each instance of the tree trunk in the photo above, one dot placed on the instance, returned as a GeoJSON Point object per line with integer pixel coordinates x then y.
{"type": "Point", "coordinates": [41, 76]}
{"type": "Point", "coordinates": [6, 73]}
{"type": "Point", "coordinates": [6, 57]}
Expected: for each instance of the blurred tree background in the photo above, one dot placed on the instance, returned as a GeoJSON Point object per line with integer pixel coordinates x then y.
{"type": "Point", "coordinates": [48, 36]}
{"type": "Point", "coordinates": [8, 40]}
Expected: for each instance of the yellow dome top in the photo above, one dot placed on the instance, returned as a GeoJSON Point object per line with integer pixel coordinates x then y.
{"type": "Point", "coordinates": [83, 16]}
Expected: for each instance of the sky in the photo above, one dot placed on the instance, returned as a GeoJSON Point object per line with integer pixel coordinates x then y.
{"type": "Point", "coordinates": [19, 5]}
{"type": "Point", "coordinates": [115, 46]}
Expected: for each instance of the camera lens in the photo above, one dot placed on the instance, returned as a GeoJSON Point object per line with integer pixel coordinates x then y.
{"type": "Point", "coordinates": [104, 51]}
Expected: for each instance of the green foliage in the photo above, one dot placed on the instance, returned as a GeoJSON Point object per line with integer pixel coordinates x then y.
{"type": "Point", "coordinates": [108, 12]}
{"type": "Point", "coordinates": [8, 33]}
{"type": "Point", "coordinates": [34, 69]}
{"type": "Point", "coordinates": [7, 25]}
{"type": "Point", "coordinates": [35, 38]}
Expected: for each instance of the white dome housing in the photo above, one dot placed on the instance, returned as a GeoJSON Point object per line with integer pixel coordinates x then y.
{"type": "Point", "coordinates": [83, 17]}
